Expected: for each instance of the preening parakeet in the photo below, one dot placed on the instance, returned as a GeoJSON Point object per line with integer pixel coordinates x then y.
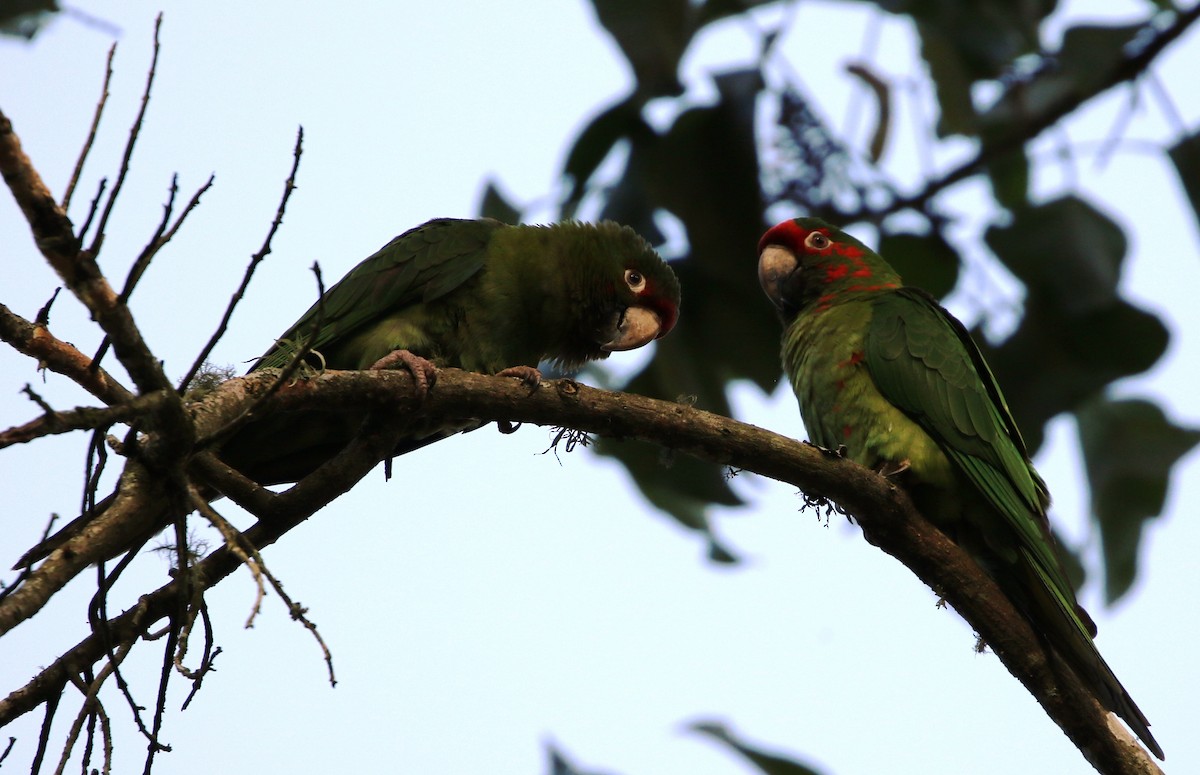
{"type": "Point", "coordinates": [477, 295]}
{"type": "Point", "coordinates": [884, 371]}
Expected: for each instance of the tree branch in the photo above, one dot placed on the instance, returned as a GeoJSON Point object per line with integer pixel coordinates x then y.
{"type": "Point", "coordinates": [1071, 100]}
{"type": "Point", "coordinates": [884, 512]}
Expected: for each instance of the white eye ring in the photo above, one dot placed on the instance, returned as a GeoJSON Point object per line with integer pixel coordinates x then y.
{"type": "Point", "coordinates": [635, 280]}
{"type": "Point", "coordinates": [817, 241]}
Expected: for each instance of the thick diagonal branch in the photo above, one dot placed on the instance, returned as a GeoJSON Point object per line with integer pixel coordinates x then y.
{"type": "Point", "coordinates": [887, 517]}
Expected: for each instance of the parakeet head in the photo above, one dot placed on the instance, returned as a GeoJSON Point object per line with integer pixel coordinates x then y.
{"type": "Point", "coordinates": [629, 295]}
{"type": "Point", "coordinates": [806, 261]}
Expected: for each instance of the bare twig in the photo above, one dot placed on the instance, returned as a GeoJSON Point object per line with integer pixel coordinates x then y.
{"type": "Point", "coordinates": [44, 733]}
{"type": "Point", "coordinates": [162, 236]}
{"type": "Point", "coordinates": [1128, 69]}
{"type": "Point", "coordinates": [288, 186]}
{"type": "Point", "coordinates": [81, 418]}
{"type": "Point", "coordinates": [56, 240]}
{"type": "Point", "coordinates": [60, 357]}
{"type": "Point", "coordinates": [93, 208]}
{"type": "Point", "coordinates": [43, 315]}
{"type": "Point", "coordinates": [91, 137]}
{"type": "Point", "coordinates": [883, 105]}
{"type": "Point", "coordinates": [91, 706]}
{"type": "Point", "coordinates": [134, 131]}
{"type": "Point", "coordinates": [249, 555]}
{"type": "Point", "coordinates": [284, 376]}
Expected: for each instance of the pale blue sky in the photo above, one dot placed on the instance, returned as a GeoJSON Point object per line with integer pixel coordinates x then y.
{"type": "Point", "coordinates": [488, 598]}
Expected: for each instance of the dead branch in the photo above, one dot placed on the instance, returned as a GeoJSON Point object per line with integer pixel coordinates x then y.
{"type": "Point", "coordinates": [82, 418]}
{"type": "Point", "coordinates": [288, 187]}
{"type": "Point", "coordinates": [162, 235]}
{"type": "Point", "coordinates": [91, 136]}
{"type": "Point", "coordinates": [134, 131]}
{"type": "Point", "coordinates": [37, 342]}
{"type": "Point", "coordinates": [1130, 68]}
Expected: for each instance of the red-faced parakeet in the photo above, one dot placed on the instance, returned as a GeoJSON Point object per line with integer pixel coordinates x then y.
{"type": "Point", "coordinates": [883, 371]}
{"type": "Point", "coordinates": [477, 295]}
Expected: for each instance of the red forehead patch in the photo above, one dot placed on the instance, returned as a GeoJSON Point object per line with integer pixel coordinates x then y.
{"type": "Point", "coordinates": [787, 233]}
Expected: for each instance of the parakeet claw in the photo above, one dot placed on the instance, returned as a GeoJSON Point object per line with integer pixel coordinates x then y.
{"type": "Point", "coordinates": [423, 371]}
{"type": "Point", "coordinates": [890, 468]}
{"type": "Point", "coordinates": [527, 374]}
{"type": "Point", "coordinates": [826, 451]}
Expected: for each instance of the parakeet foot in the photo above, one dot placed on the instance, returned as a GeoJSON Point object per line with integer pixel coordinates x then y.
{"type": "Point", "coordinates": [423, 371]}
{"type": "Point", "coordinates": [527, 374]}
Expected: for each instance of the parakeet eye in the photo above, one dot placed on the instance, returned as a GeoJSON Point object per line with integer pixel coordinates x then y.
{"type": "Point", "coordinates": [816, 241]}
{"type": "Point", "coordinates": [635, 280]}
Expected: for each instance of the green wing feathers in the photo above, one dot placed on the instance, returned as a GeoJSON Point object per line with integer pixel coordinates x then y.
{"type": "Point", "coordinates": [924, 362]}
{"type": "Point", "coordinates": [421, 265]}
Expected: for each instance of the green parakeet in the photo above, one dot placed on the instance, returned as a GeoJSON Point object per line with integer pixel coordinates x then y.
{"type": "Point", "coordinates": [884, 371]}
{"type": "Point", "coordinates": [477, 295]}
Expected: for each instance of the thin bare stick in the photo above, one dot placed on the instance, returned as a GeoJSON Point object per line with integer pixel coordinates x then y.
{"type": "Point", "coordinates": [60, 357]}
{"type": "Point", "coordinates": [284, 376]}
{"type": "Point", "coordinates": [162, 236]}
{"type": "Point", "coordinates": [134, 131]}
{"type": "Point", "coordinates": [250, 557]}
{"type": "Point", "coordinates": [53, 422]}
{"type": "Point", "coordinates": [237, 544]}
{"type": "Point", "coordinates": [160, 706]}
{"type": "Point", "coordinates": [882, 93]}
{"type": "Point", "coordinates": [91, 703]}
{"type": "Point", "coordinates": [164, 233]}
{"type": "Point", "coordinates": [93, 208]}
{"type": "Point", "coordinates": [288, 187]}
{"type": "Point", "coordinates": [55, 238]}
{"type": "Point", "coordinates": [1129, 68]}
{"type": "Point", "coordinates": [91, 137]}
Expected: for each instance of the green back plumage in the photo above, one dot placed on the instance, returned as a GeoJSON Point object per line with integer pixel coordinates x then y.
{"type": "Point", "coordinates": [483, 296]}
{"type": "Point", "coordinates": [420, 266]}
{"type": "Point", "coordinates": [885, 370]}
{"type": "Point", "coordinates": [924, 362]}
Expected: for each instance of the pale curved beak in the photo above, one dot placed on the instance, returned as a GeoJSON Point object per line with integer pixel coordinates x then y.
{"type": "Point", "coordinates": [637, 326]}
{"type": "Point", "coordinates": [775, 265]}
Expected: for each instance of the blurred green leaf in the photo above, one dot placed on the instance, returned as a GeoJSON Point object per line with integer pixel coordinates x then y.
{"type": "Point", "coordinates": [25, 18]}
{"type": "Point", "coordinates": [596, 141]}
{"type": "Point", "coordinates": [704, 171]}
{"type": "Point", "coordinates": [963, 43]}
{"type": "Point", "coordinates": [558, 764]}
{"type": "Point", "coordinates": [1086, 60]}
{"type": "Point", "coordinates": [1077, 335]}
{"type": "Point", "coordinates": [1009, 176]}
{"type": "Point", "coordinates": [766, 763]}
{"type": "Point", "coordinates": [951, 82]}
{"type": "Point", "coordinates": [495, 205]}
{"type": "Point", "coordinates": [1065, 251]}
{"type": "Point", "coordinates": [653, 37]}
{"type": "Point", "coordinates": [924, 260]}
{"type": "Point", "coordinates": [1185, 154]}
{"type": "Point", "coordinates": [1129, 447]}
{"type": "Point", "coordinates": [1116, 341]}
{"type": "Point", "coordinates": [1052, 362]}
